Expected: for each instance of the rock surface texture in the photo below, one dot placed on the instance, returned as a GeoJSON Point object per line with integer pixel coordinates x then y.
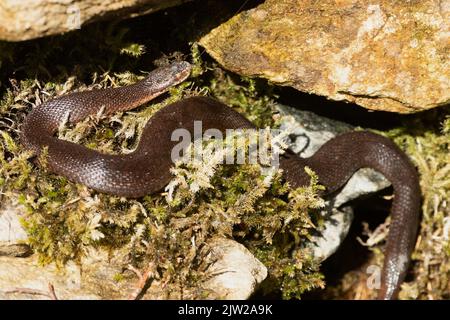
{"type": "Point", "coordinates": [28, 19]}
{"type": "Point", "coordinates": [382, 55]}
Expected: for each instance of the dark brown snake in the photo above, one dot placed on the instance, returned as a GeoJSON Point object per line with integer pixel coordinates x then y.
{"type": "Point", "coordinates": [146, 170]}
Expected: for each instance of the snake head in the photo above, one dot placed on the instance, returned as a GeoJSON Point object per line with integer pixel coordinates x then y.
{"type": "Point", "coordinates": [161, 79]}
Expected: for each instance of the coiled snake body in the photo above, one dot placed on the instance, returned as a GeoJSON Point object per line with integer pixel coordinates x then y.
{"type": "Point", "coordinates": [146, 170]}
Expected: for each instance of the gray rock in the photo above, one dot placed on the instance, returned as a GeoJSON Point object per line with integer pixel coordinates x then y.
{"type": "Point", "coordinates": [236, 273]}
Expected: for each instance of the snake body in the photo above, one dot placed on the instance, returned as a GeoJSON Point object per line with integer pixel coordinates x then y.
{"type": "Point", "coordinates": [146, 170]}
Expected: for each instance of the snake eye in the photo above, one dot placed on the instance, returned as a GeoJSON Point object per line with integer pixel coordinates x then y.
{"type": "Point", "coordinates": [181, 66]}
{"type": "Point", "coordinates": [170, 75]}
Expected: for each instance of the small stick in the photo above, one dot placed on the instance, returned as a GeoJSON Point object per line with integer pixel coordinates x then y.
{"type": "Point", "coordinates": [143, 279]}
{"type": "Point", "coordinates": [51, 290]}
{"type": "Point", "coordinates": [50, 294]}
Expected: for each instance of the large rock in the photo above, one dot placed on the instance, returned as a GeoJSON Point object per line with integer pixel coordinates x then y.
{"type": "Point", "coordinates": [380, 54]}
{"type": "Point", "coordinates": [240, 276]}
{"type": "Point", "coordinates": [28, 19]}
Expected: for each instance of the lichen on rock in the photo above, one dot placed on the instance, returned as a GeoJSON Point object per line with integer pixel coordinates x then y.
{"type": "Point", "coordinates": [382, 55]}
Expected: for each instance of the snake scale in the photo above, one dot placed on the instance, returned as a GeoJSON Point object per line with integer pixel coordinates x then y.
{"type": "Point", "coordinates": [146, 169]}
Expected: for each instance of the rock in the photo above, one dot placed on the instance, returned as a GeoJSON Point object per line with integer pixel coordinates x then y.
{"type": "Point", "coordinates": [239, 272]}
{"type": "Point", "coordinates": [308, 132]}
{"type": "Point", "coordinates": [380, 54]}
{"type": "Point", "coordinates": [17, 274]}
{"type": "Point", "coordinates": [11, 231]}
{"type": "Point", "coordinates": [28, 19]}
{"type": "Point", "coordinates": [16, 250]}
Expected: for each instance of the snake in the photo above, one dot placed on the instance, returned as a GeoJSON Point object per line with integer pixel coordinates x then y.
{"type": "Point", "coordinates": [146, 169]}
